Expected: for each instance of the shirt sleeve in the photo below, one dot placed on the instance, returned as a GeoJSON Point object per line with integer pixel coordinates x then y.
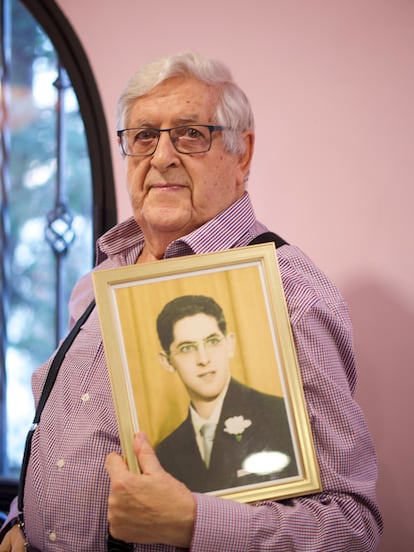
{"type": "Point", "coordinates": [344, 515]}
{"type": "Point", "coordinates": [10, 520]}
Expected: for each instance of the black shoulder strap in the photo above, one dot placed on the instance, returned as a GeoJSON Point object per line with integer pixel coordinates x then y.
{"type": "Point", "coordinates": [47, 388]}
{"type": "Point", "coordinates": [57, 361]}
{"type": "Point", "coordinates": [269, 237]}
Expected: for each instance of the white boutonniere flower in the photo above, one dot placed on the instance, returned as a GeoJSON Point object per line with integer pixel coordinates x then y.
{"type": "Point", "coordinates": [236, 426]}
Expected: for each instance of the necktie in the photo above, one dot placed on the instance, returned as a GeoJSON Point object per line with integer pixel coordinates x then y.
{"type": "Point", "coordinates": [207, 432]}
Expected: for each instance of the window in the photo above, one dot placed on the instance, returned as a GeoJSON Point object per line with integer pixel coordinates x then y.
{"type": "Point", "coordinates": [57, 196]}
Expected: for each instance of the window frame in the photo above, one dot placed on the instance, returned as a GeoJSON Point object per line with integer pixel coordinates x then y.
{"type": "Point", "coordinates": [73, 57]}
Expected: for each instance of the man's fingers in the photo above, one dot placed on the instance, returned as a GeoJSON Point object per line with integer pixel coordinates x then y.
{"type": "Point", "coordinates": [145, 454]}
{"type": "Point", "coordinates": [114, 464]}
{"type": "Point", "coordinates": [13, 541]}
{"type": "Point", "coordinates": [147, 459]}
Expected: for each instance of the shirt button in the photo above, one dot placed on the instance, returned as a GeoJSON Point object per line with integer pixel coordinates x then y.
{"type": "Point", "coordinates": [85, 397]}
{"type": "Point", "coordinates": [60, 463]}
{"type": "Point", "coordinates": [52, 536]}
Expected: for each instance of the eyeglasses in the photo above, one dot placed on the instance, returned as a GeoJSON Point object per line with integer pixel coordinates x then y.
{"type": "Point", "coordinates": [186, 139]}
{"type": "Point", "coordinates": [191, 348]}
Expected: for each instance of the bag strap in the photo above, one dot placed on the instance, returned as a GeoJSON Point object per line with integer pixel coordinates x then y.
{"type": "Point", "coordinates": [47, 388]}
{"type": "Point", "coordinates": [57, 361]}
{"type": "Point", "coordinates": [269, 237]}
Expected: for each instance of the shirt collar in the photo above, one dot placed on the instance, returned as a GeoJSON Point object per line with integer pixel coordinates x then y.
{"type": "Point", "coordinates": [233, 227]}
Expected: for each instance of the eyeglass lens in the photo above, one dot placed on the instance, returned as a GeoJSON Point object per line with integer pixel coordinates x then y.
{"type": "Point", "coordinates": [186, 139]}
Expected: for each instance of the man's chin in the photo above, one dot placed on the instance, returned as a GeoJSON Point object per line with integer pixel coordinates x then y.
{"type": "Point", "coordinates": [167, 219]}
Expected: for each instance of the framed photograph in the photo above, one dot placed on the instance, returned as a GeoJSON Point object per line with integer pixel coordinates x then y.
{"type": "Point", "coordinates": [201, 358]}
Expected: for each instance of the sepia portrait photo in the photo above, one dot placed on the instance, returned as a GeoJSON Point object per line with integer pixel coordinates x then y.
{"type": "Point", "coordinates": [201, 359]}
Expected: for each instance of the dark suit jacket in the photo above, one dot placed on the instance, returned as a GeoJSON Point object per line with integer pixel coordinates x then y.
{"type": "Point", "coordinates": [269, 431]}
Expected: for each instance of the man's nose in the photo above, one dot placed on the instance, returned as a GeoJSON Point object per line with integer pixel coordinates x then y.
{"type": "Point", "coordinates": [165, 154]}
{"type": "Point", "coordinates": [202, 354]}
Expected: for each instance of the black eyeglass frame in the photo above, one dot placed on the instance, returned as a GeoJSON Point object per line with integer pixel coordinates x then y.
{"type": "Point", "coordinates": [211, 128]}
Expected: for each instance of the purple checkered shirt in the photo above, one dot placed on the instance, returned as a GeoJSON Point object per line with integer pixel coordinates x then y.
{"type": "Point", "coordinates": [67, 485]}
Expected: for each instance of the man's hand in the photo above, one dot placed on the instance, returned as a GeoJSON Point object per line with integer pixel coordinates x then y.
{"type": "Point", "coordinates": [151, 507]}
{"type": "Point", "coordinates": [13, 541]}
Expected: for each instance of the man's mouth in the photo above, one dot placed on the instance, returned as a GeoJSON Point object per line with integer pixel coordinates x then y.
{"type": "Point", "coordinates": [207, 375]}
{"type": "Point", "coordinates": [166, 186]}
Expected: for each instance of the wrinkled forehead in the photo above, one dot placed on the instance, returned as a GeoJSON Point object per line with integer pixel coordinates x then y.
{"type": "Point", "coordinates": [175, 101]}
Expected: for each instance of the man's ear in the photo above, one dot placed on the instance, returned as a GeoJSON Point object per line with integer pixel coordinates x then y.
{"type": "Point", "coordinates": [245, 158]}
{"type": "Point", "coordinates": [248, 139]}
{"type": "Point", "coordinates": [164, 361]}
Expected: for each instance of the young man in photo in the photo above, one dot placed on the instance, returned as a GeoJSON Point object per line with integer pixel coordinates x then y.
{"type": "Point", "coordinates": [233, 435]}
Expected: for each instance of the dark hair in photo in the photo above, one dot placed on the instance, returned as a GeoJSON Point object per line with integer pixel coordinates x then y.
{"type": "Point", "coordinates": [181, 307]}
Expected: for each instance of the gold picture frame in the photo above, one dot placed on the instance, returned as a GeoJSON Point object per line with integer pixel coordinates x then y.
{"type": "Point", "coordinates": [246, 284]}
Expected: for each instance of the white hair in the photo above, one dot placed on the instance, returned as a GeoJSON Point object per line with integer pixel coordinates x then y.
{"type": "Point", "coordinates": [233, 108]}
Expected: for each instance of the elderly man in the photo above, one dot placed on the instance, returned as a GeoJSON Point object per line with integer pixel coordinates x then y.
{"type": "Point", "coordinates": [186, 130]}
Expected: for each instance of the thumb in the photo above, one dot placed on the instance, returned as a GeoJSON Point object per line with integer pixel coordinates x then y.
{"type": "Point", "coordinates": [145, 454]}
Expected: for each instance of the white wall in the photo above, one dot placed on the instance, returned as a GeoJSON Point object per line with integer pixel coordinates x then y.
{"type": "Point", "coordinates": [331, 83]}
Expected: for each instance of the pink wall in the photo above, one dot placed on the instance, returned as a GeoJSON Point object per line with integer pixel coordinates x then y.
{"type": "Point", "coordinates": [331, 83]}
